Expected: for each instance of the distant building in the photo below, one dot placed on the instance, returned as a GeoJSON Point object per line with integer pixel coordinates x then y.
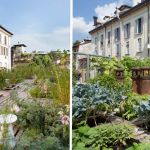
{"type": "Point", "coordinates": [81, 50]}
{"type": "Point", "coordinates": [17, 50]}
{"type": "Point", "coordinates": [5, 48]}
{"type": "Point", "coordinates": [127, 33]}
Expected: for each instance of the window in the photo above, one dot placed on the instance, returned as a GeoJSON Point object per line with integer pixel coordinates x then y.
{"type": "Point", "coordinates": [117, 34]}
{"type": "Point", "coordinates": [96, 42]}
{"type": "Point", "coordinates": [102, 40]}
{"type": "Point", "coordinates": [118, 50]}
{"type": "Point", "coordinates": [3, 51]}
{"type": "Point", "coordinates": [0, 50]}
{"type": "Point", "coordinates": [6, 51]}
{"type": "Point", "coordinates": [139, 44]}
{"type": "Point", "coordinates": [0, 38]}
{"type": "Point", "coordinates": [5, 40]}
{"type": "Point", "coordinates": [127, 48]}
{"type": "Point", "coordinates": [0, 64]}
{"type": "Point", "coordinates": [109, 37]}
{"type": "Point", "coordinates": [127, 31]}
{"type": "Point", "coordinates": [139, 26]}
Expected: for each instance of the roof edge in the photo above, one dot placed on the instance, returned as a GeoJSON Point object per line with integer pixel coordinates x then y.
{"type": "Point", "coordinates": [6, 30]}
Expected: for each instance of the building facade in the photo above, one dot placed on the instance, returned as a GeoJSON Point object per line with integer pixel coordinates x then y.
{"type": "Point", "coordinates": [125, 34]}
{"type": "Point", "coordinates": [17, 51]}
{"type": "Point", "coordinates": [5, 48]}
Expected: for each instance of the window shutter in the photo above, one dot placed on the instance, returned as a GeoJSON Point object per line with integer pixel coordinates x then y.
{"type": "Point", "coordinates": [129, 29]}
{"type": "Point", "coordinates": [142, 24]}
{"type": "Point", "coordinates": [124, 31]}
{"type": "Point", "coordinates": [136, 26]}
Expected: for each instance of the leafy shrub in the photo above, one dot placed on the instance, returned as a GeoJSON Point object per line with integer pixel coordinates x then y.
{"type": "Point", "coordinates": [141, 146]}
{"type": "Point", "coordinates": [109, 65]}
{"type": "Point", "coordinates": [87, 97]}
{"type": "Point", "coordinates": [105, 135]}
{"type": "Point", "coordinates": [31, 140]}
{"type": "Point", "coordinates": [143, 111]}
{"type": "Point", "coordinates": [2, 79]}
{"type": "Point", "coordinates": [90, 97]}
{"type": "Point", "coordinates": [127, 107]}
{"type": "Point", "coordinates": [43, 120]}
{"type": "Point", "coordinates": [37, 92]}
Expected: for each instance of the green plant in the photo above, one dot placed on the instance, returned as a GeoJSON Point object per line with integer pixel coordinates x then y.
{"type": "Point", "coordinates": [90, 98]}
{"type": "Point", "coordinates": [38, 92]}
{"type": "Point", "coordinates": [105, 135]}
{"type": "Point", "coordinates": [127, 107]}
{"type": "Point", "coordinates": [141, 146]}
{"type": "Point", "coordinates": [42, 122]}
{"type": "Point", "coordinates": [143, 111]}
{"type": "Point", "coordinates": [87, 98]}
{"type": "Point", "coordinates": [108, 65]}
{"type": "Point", "coordinates": [3, 74]}
{"type": "Point", "coordinates": [31, 140]}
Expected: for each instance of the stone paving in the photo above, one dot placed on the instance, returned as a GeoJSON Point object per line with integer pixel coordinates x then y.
{"type": "Point", "coordinates": [23, 88]}
{"type": "Point", "coordinates": [5, 96]}
{"type": "Point", "coordinates": [21, 91]}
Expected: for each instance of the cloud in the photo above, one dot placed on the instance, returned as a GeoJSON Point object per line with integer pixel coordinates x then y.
{"type": "Point", "coordinates": [81, 26]}
{"type": "Point", "coordinates": [108, 9]}
{"type": "Point", "coordinates": [57, 39]}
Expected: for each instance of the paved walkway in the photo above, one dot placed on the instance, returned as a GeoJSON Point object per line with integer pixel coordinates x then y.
{"type": "Point", "coordinates": [22, 92]}
{"type": "Point", "coordinates": [23, 89]}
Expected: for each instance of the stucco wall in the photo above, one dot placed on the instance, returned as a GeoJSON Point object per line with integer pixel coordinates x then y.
{"type": "Point", "coordinates": [5, 60]}
{"type": "Point", "coordinates": [111, 49]}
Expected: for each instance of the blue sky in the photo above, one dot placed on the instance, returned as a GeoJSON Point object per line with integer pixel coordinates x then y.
{"type": "Point", "coordinates": [40, 24]}
{"type": "Point", "coordinates": [83, 13]}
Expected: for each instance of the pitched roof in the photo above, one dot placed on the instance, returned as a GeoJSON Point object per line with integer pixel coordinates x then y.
{"type": "Point", "coordinates": [19, 45]}
{"type": "Point", "coordinates": [124, 14]}
{"type": "Point", "coordinates": [5, 30]}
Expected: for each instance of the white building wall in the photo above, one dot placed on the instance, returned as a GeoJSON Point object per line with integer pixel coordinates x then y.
{"type": "Point", "coordinates": [5, 57]}
{"type": "Point", "coordinates": [110, 50]}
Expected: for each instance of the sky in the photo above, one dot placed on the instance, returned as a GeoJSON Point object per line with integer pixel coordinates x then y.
{"type": "Point", "coordinates": [83, 13]}
{"type": "Point", "coordinates": [42, 25]}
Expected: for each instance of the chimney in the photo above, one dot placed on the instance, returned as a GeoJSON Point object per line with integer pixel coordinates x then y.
{"type": "Point", "coordinates": [136, 2]}
{"type": "Point", "coordinates": [95, 20]}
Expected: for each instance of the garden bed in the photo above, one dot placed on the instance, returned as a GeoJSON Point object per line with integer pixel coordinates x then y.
{"type": "Point", "coordinates": [112, 95]}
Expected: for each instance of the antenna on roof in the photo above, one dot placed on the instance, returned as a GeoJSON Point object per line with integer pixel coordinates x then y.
{"type": "Point", "coordinates": [117, 11]}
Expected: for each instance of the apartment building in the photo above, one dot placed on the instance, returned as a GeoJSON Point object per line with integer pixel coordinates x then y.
{"type": "Point", "coordinates": [127, 33]}
{"type": "Point", "coordinates": [5, 48]}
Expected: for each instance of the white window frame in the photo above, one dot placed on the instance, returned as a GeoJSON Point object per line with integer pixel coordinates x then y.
{"type": "Point", "coordinates": [127, 30]}
{"type": "Point", "coordinates": [109, 37]}
{"type": "Point", "coordinates": [102, 40]}
{"type": "Point", "coordinates": [139, 44]}
{"type": "Point", "coordinates": [117, 34]}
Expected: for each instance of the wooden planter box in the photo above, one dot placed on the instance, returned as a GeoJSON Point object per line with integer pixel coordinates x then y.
{"type": "Point", "coordinates": [145, 81]}
{"type": "Point", "coordinates": [119, 73]}
{"type": "Point", "coordinates": [141, 80]}
{"type": "Point", "coordinates": [136, 80]}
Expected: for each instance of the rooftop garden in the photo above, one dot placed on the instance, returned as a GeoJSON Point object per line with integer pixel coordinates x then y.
{"type": "Point", "coordinates": [39, 97]}
{"type": "Point", "coordinates": [108, 114]}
